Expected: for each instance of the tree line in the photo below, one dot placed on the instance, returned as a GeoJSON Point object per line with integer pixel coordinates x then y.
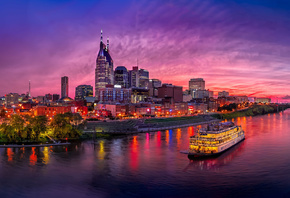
{"type": "Point", "coordinates": [35, 129]}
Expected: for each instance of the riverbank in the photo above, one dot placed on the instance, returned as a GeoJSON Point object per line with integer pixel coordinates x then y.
{"type": "Point", "coordinates": [33, 145]}
{"type": "Point", "coordinates": [143, 130]}
{"type": "Point", "coordinates": [146, 125]}
{"type": "Point", "coordinates": [252, 111]}
{"type": "Point", "coordinates": [159, 124]}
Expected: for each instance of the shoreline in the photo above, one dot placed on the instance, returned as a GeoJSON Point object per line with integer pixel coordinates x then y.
{"type": "Point", "coordinates": [175, 126]}
{"type": "Point", "coordinates": [216, 118]}
{"type": "Point", "coordinates": [153, 129]}
{"type": "Point", "coordinates": [33, 145]}
{"type": "Point", "coordinates": [253, 111]}
{"type": "Point", "coordinates": [144, 129]}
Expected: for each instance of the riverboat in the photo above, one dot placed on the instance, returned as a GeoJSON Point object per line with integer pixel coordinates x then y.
{"type": "Point", "coordinates": [215, 139]}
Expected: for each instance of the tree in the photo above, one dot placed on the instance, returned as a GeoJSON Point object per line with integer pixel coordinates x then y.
{"type": "Point", "coordinates": [18, 125]}
{"type": "Point", "coordinates": [29, 132]}
{"type": "Point", "coordinates": [77, 119]}
{"type": "Point", "coordinates": [8, 133]}
{"type": "Point", "coordinates": [23, 128]}
{"type": "Point", "coordinates": [61, 127]}
{"type": "Point", "coordinates": [39, 125]}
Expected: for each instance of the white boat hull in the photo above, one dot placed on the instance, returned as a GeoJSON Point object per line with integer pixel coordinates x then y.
{"type": "Point", "coordinates": [221, 148]}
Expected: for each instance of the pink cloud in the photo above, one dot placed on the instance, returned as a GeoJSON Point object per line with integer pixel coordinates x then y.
{"type": "Point", "coordinates": [232, 47]}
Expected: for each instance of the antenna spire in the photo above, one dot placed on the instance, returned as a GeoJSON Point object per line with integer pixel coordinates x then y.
{"type": "Point", "coordinates": [101, 35]}
{"type": "Point", "coordinates": [107, 43]}
{"type": "Point", "coordinates": [29, 90]}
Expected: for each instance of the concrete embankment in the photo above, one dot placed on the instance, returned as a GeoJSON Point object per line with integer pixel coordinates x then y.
{"type": "Point", "coordinates": [143, 130]}
{"type": "Point", "coordinates": [148, 125]}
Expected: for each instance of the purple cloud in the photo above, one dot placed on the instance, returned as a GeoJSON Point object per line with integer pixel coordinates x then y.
{"type": "Point", "coordinates": [233, 45]}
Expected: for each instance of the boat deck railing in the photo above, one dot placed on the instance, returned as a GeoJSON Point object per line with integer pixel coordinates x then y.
{"type": "Point", "coordinates": [216, 132]}
{"type": "Point", "coordinates": [197, 137]}
{"type": "Point", "coordinates": [217, 144]}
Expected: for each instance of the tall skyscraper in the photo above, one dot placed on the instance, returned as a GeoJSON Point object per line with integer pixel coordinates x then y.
{"type": "Point", "coordinates": [64, 86]}
{"type": "Point", "coordinates": [197, 84]}
{"type": "Point", "coordinates": [138, 78]}
{"type": "Point", "coordinates": [121, 76]}
{"type": "Point", "coordinates": [104, 73]}
{"type": "Point", "coordinates": [134, 77]}
{"type": "Point", "coordinates": [83, 91]}
{"type": "Point", "coordinates": [143, 78]}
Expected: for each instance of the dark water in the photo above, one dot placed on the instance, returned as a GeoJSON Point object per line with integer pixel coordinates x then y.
{"type": "Point", "coordinates": [151, 165]}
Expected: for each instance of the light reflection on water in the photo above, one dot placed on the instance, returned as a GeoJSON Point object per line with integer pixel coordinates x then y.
{"type": "Point", "coordinates": [151, 165]}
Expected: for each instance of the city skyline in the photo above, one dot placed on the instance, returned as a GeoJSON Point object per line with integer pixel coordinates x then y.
{"type": "Point", "coordinates": [243, 49]}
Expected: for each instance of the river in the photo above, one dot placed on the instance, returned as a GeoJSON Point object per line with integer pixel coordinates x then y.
{"type": "Point", "coordinates": [151, 165]}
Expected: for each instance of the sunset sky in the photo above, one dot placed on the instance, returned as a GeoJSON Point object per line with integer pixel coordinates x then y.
{"type": "Point", "coordinates": [241, 46]}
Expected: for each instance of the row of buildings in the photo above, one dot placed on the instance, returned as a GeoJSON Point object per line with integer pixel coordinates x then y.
{"type": "Point", "coordinates": [122, 92]}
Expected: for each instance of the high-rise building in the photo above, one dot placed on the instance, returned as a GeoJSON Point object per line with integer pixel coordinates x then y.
{"type": "Point", "coordinates": [11, 99]}
{"type": "Point", "coordinates": [156, 82]}
{"type": "Point", "coordinates": [83, 91]}
{"type": "Point", "coordinates": [139, 94]}
{"type": "Point", "coordinates": [48, 98]}
{"type": "Point", "coordinates": [134, 77]}
{"type": "Point", "coordinates": [64, 86]}
{"type": "Point", "coordinates": [170, 93]}
{"type": "Point", "coordinates": [197, 84]}
{"type": "Point", "coordinates": [2, 101]}
{"type": "Point", "coordinates": [200, 93]}
{"type": "Point", "coordinates": [138, 78]}
{"type": "Point", "coordinates": [55, 97]}
{"type": "Point", "coordinates": [40, 99]}
{"type": "Point", "coordinates": [210, 94]}
{"type": "Point", "coordinates": [153, 87]}
{"type": "Point", "coordinates": [104, 73]}
{"type": "Point", "coordinates": [121, 76]}
{"type": "Point", "coordinates": [22, 97]}
{"type": "Point", "coordinates": [113, 94]}
{"type": "Point", "coordinates": [143, 78]}
{"type": "Point", "coordinates": [223, 94]}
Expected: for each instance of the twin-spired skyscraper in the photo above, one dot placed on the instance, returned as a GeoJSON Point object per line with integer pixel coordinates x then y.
{"type": "Point", "coordinates": [104, 72]}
